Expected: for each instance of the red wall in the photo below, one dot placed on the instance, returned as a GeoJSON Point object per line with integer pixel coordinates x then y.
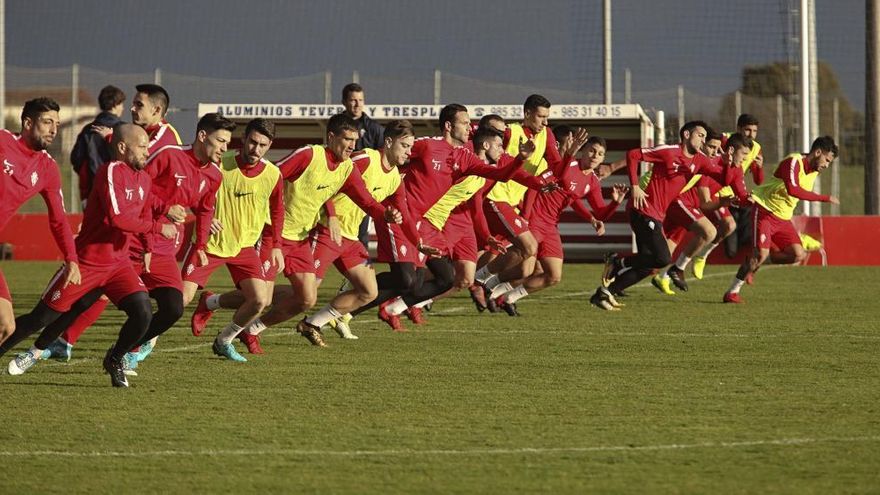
{"type": "Point", "coordinates": [848, 240]}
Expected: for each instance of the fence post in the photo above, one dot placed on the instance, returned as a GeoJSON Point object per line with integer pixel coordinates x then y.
{"type": "Point", "coordinates": [680, 106]}
{"type": "Point", "coordinates": [780, 132]}
{"type": "Point", "coordinates": [437, 86]}
{"type": "Point", "coordinates": [835, 169]}
{"type": "Point", "coordinates": [157, 76]}
{"type": "Point", "coordinates": [328, 81]}
{"type": "Point", "coordinates": [356, 77]}
{"type": "Point", "coordinates": [627, 86]}
{"type": "Point", "coordinates": [71, 136]}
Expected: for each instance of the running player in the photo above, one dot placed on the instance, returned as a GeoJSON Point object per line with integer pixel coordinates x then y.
{"type": "Point", "coordinates": [148, 110]}
{"type": "Point", "coordinates": [435, 165]}
{"type": "Point", "coordinates": [673, 166]}
{"type": "Point", "coordinates": [119, 206]}
{"type": "Point", "coordinates": [335, 239]}
{"type": "Point", "coordinates": [577, 181]}
{"type": "Point", "coordinates": [699, 208]}
{"type": "Point", "coordinates": [775, 202]}
{"type": "Point", "coordinates": [28, 170]}
{"type": "Point", "coordinates": [313, 175]}
{"type": "Point", "coordinates": [250, 193]}
{"type": "Point", "coordinates": [727, 225]}
{"type": "Point", "coordinates": [504, 199]}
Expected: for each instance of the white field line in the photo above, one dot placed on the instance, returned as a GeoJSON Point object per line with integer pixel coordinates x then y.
{"type": "Point", "coordinates": [781, 442]}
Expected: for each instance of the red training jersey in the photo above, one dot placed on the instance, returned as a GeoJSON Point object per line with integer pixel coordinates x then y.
{"type": "Point", "coordinates": [574, 184]}
{"type": "Point", "coordinates": [670, 173]}
{"type": "Point", "coordinates": [26, 172]}
{"type": "Point", "coordinates": [179, 178]}
{"type": "Point", "coordinates": [118, 207]}
{"type": "Point", "coordinates": [436, 165]}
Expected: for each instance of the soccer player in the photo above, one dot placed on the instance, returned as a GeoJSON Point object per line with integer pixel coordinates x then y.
{"type": "Point", "coordinates": [313, 175]}
{"type": "Point", "coordinates": [250, 192]}
{"type": "Point", "coordinates": [435, 165]}
{"type": "Point", "coordinates": [734, 220]}
{"type": "Point", "coordinates": [119, 206]}
{"type": "Point", "coordinates": [148, 109]}
{"type": "Point", "coordinates": [459, 215]}
{"type": "Point", "coordinates": [673, 166]}
{"type": "Point", "coordinates": [775, 202]}
{"type": "Point", "coordinates": [27, 170]}
{"type": "Point", "coordinates": [335, 237]}
{"type": "Point", "coordinates": [543, 212]}
{"type": "Point", "coordinates": [688, 213]}
{"type": "Point", "coordinates": [504, 198]}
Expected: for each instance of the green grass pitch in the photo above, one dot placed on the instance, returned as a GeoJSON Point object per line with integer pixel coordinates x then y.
{"type": "Point", "coordinates": [671, 395]}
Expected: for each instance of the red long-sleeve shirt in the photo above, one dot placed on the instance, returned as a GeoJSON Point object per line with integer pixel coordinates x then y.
{"type": "Point", "coordinates": [788, 171]}
{"type": "Point", "coordinates": [118, 207]}
{"type": "Point", "coordinates": [574, 185]}
{"type": "Point", "coordinates": [670, 173]}
{"type": "Point", "coordinates": [735, 180]}
{"type": "Point", "coordinates": [179, 178]}
{"type": "Point", "coordinates": [161, 135]}
{"type": "Point", "coordinates": [25, 172]}
{"type": "Point", "coordinates": [435, 165]}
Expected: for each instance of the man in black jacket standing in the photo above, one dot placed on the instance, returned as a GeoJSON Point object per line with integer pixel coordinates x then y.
{"type": "Point", "coordinates": [91, 148]}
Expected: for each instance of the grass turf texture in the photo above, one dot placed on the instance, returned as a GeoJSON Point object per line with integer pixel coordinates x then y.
{"type": "Point", "coordinates": [672, 394]}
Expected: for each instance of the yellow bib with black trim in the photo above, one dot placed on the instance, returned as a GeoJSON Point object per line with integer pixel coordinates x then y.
{"type": "Point", "coordinates": [773, 195]}
{"type": "Point", "coordinates": [304, 197]}
{"type": "Point", "coordinates": [380, 185]}
{"type": "Point", "coordinates": [242, 207]}
{"type": "Point", "coordinates": [513, 192]}
{"type": "Point", "coordinates": [459, 193]}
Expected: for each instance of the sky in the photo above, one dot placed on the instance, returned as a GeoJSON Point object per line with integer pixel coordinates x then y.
{"type": "Point", "coordinates": [396, 45]}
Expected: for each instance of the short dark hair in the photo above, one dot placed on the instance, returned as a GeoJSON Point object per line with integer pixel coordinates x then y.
{"type": "Point", "coordinates": [33, 108]}
{"type": "Point", "coordinates": [690, 126]}
{"type": "Point", "coordinates": [399, 128]}
{"type": "Point", "coordinates": [156, 94]}
{"type": "Point", "coordinates": [826, 144]}
{"type": "Point", "coordinates": [448, 113]}
{"type": "Point", "coordinates": [596, 140]}
{"type": "Point", "coordinates": [711, 134]}
{"type": "Point", "coordinates": [264, 126]}
{"type": "Point", "coordinates": [737, 140]}
{"type": "Point", "coordinates": [109, 97]}
{"type": "Point", "coordinates": [746, 119]}
{"type": "Point", "coordinates": [492, 117]}
{"type": "Point", "coordinates": [341, 122]}
{"type": "Point", "coordinates": [211, 122]}
{"type": "Point", "coordinates": [350, 88]}
{"type": "Point", "coordinates": [533, 102]}
{"type": "Point", "coordinates": [484, 134]}
{"type": "Point", "coordinates": [562, 130]}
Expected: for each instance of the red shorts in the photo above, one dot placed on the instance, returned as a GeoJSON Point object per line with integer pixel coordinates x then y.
{"type": "Point", "coordinates": [118, 282]}
{"type": "Point", "coordinates": [772, 230]}
{"type": "Point", "coordinates": [679, 218]}
{"type": "Point", "coordinates": [297, 256]}
{"type": "Point", "coordinates": [345, 257]}
{"type": "Point", "coordinates": [460, 237]}
{"type": "Point", "coordinates": [4, 289]}
{"type": "Point", "coordinates": [243, 266]}
{"type": "Point", "coordinates": [393, 245]}
{"type": "Point", "coordinates": [433, 237]}
{"type": "Point", "coordinates": [720, 214]}
{"type": "Point", "coordinates": [264, 250]}
{"type": "Point", "coordinates": [504, 220]}
{"type": "Point", "coordinates": [164, 272]}
{"type": "Point", "coordinates": [549, 241]}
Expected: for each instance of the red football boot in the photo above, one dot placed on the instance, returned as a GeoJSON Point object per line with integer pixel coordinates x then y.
{"type": "Point", "coordinates": [251, 341]}
{"type": "Point", "coordinates": [202, 315]}
{"type": "Point", "coordinates": [416, 315]}
{"type": "Point", "coordinates": [733, 297]}
{"type": "Point", "coordinates": [392, 320]}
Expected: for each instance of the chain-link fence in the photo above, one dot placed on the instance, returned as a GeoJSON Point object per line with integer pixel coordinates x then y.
{"type": "Point", "coordinates": [76, 89]}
